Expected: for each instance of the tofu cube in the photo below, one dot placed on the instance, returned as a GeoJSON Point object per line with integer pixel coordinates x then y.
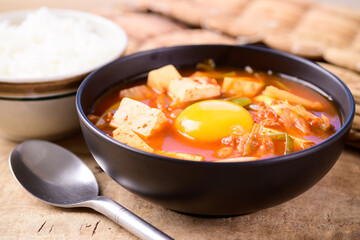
{"type": "Point", "coordinates": [242, 86]}
{"type": "Point", "coordinates": [159, 79]}
{"type": "Point", "coordinates": [125, 135]}
{"type": "Point", "coordinates": [188, 89]}
{"type": "Point", "coordinates": [141, 118]}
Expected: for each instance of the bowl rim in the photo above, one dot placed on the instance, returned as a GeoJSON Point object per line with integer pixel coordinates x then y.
{"type": "Point", "coordinates": [39, 97]}
{"type": "Point", "coordinates": [273, 160]}
{"type": "Point", "coordinates": [88, 17]}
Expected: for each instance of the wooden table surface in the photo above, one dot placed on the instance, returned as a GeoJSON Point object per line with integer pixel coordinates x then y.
{"type": "Point", "coordinates": [329, 210]}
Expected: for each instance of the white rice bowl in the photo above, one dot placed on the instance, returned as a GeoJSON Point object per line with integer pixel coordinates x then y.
{"type": "Point", "coordinates": [49, 44]}
{"type": "Point", "coordinates": [44, 56]}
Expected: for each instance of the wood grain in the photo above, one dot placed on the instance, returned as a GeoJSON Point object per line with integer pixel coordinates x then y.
{"type": "Point", "coordinates": [329, 210]}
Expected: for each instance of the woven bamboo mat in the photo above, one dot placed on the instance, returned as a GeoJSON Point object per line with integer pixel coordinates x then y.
{"type": "Point", "coordinates": [326, 33]}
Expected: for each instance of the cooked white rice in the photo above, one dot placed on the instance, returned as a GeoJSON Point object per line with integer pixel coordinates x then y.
{"type": "Point", "coordinates": [45, 45]}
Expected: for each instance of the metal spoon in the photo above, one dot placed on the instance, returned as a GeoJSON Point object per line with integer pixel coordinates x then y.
{"type": "Point", "coordinates": [58, 177]}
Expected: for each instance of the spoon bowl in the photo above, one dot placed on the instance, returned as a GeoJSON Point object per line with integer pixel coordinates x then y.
{"type": "Point", "coordinates": [58, 177]}
{"type": "Point", "coordinates": [34, 163]}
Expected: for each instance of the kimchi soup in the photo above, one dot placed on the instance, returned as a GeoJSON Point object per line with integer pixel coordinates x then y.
{"type": "Point", "coordinates": [216, 114]}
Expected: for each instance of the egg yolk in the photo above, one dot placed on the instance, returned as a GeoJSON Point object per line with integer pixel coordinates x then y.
{"type": "Point", "coordinates": [212, 120]}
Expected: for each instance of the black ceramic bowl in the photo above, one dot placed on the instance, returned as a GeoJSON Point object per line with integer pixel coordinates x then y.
{"type": "Point", "coordinates": [207, 188]}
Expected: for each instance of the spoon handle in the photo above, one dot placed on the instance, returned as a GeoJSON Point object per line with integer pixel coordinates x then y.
{"type": "Point", "coordinates": [126, 219]}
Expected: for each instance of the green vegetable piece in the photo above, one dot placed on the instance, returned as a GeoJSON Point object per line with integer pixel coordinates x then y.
{"type": "Point", "coordinates": [277, 136]}
{"type": "Point", "coordinates": [242, 101]}
{"type": "Point", "coordinates": [281, 85]}
{"type": "Point", "coordinates": [289, 142]}
{"type": "Point", "coordinates": [207, 65]}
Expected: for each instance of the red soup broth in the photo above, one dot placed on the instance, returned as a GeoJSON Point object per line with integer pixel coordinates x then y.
{"type": "Point", "coordinates": [170, 140]}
